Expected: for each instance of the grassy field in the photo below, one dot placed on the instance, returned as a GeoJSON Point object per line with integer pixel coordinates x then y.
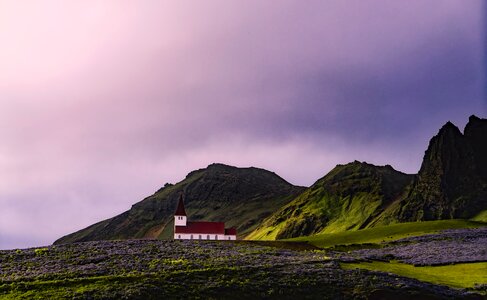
{"type": "Point", "coordinates": [481, 217]}
{"type": "Point", "coordinates": [152, 269]}
{"type": "Point", "coordinates": [385, 233]}
{"type": "Point", "coordinates": [457, 276]}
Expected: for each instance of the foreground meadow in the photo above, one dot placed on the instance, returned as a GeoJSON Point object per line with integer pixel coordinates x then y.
{"type": "Point", "coordinates": [151, 269]}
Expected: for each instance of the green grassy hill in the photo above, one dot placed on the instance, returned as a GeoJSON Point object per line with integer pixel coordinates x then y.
{"type": "Point", "coordinates": [481, 217]}
{"type": "Point", "coordinates": [350, 197]}
{"type": "Point", "coordinates": [241, 197]}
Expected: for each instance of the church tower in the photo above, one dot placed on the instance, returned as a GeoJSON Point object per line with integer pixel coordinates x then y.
{"type": "Point", "coordinates": [203, 230]}
{"type": "Point", "coordinates": [180, 214]}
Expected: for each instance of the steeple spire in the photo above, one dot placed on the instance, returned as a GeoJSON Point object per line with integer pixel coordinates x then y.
{"type": "Point", "coordinates": [180, 211]}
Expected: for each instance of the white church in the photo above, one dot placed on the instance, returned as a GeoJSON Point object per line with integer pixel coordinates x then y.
{"type": "Point", "coordinates": [184, 230]}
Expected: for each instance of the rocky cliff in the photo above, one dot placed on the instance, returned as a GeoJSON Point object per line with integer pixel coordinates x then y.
{"type": "Point", "coordinates": [452, 181]}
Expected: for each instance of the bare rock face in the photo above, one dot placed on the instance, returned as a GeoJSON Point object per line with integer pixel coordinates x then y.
{"type": "Point", "coordinates": [476, 135]}
{"type": "Point", "coordinates": [452, 181]}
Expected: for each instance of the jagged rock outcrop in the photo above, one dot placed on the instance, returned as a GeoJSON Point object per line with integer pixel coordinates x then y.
{"type": "Point", "coordinates": [241, 197]}
{"type": "Point", "coordinates": [476, 135]}
{"type": "Point", "coordinates": [452, 180]}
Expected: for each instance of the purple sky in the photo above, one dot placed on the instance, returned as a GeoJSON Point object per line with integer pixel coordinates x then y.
{"type": "Point", "coordinates": [102, 102]}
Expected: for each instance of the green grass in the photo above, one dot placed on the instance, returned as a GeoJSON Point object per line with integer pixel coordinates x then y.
{"type": "Point", "coordinates": [269, 234]}
{"type": "Point", "coordinates": [129, 285]}
{"type": "Point", "coordinates": [384, 233]}
{"type": "Point", "coordinates": [346, 213]}
{"type": "Point", "coordinates": [348, 198]}
{"type": "Point", "coordinates": [481, 217]}
{"type": "Point", "coordinates": [354, 212]}
{"type": "Point", "coordinates": [457, 276]}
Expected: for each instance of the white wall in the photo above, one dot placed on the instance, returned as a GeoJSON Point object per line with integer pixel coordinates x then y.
{"type": "Point", "coordinates": [196, 236]}
{"type": "Point", "coordinates": [179, 220]}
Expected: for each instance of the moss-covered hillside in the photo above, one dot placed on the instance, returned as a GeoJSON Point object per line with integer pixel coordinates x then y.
{"type": "Point", "coordinates": [241, 197]}
{"type": "Point", "coordinates": [350, 197]}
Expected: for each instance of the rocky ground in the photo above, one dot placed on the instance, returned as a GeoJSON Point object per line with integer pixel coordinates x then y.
{"type": "Point", "coordinates": [447, 247]}
{"type": "Point", "coordinates": [150, 269]}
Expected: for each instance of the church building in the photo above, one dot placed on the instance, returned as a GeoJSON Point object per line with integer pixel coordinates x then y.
{"type": "Point", "coordinates": [185, 230]}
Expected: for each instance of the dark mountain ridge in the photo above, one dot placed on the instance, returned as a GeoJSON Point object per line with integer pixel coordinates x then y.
{"type": "Point", "coordinates": [241, 197]}
{"type": "Point", "coordinates": [451, 183]}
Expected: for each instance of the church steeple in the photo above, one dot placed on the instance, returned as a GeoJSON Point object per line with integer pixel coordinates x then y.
{"type": "Point", "coordinates": [180, 211]}
{"type": "Point", "coordinates": [180, 214]}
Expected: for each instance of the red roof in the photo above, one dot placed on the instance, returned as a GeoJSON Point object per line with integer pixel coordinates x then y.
{"type": "Point", "coordinates": [202, 227]}
{"type": "Point", "coordinates": [230, 231]}
{"type": "Point", "coordinates": [180, 211]}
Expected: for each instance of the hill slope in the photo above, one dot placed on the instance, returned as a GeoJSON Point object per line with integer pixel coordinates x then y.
{"type": "Point", "coordinates": [241, 197]}
{"type": "Point", "coordinates": [347, 198]}
{"type": "Point", "coordinates": [451, 184]}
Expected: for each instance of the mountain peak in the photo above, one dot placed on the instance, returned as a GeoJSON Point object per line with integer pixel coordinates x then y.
{"type": "Point", "coordinates": [474, 124]}
{"type": "Point", "coordinates": [476, 135]}
{"type": "Point", "coordinates": [449, 183]}
{"type": "Point", "coordinates": [449, 127]}
{"type": "Point", "coordinates": [364, 165]}
{"type": "Point", "coordinates": [220, 166]}
{"type": "Point", "coordinates": [473, 118]}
